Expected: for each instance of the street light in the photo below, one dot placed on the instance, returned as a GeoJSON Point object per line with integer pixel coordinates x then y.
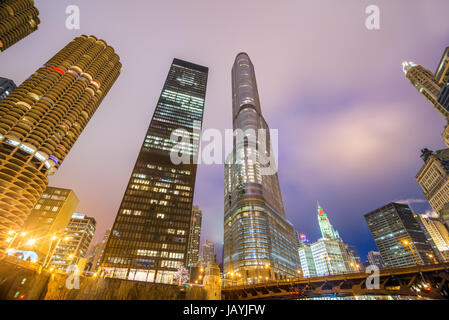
{"type": "Point", "coordinates": [407, 243]}
{"type": "Point", "coordinates": [431, 256]}
{"type": "Point", "coordinates": [10, 240]}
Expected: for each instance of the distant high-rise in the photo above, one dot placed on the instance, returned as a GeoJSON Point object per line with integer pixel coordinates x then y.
{"type": "Point", "coordinates": [48, 220]}
{"type": "Point", "coordinates": [93, 262]}
{"type": "Point", "coordinates": [41, 120]}
{"type": "Point", "coordinates": [355, 253]}
{"type": "Point", "coordinates": [6, 87]}
{"type": "Point", "coordinates": [305, 256]}
{"type": "Point", "coordinates": [208, 252]}
{"type": "Point", "coordinates": [374, 258]}
{"type": "Point", "coordinates": [433, 177]}
{"type": "Point", "coordinates": [259, 243]}
{"type": "Point", "coordinates": [149, 238]}
{"type": "Point", "coordinates": [398, 236]}
{"type": "Point", "coordinates": [78, 235]}
{"type": "Point", "coordinates": [18, 18]}
{"type": "Point", "coordinates": [438, 234]}
{"type": "Point", "coordinates": [193, 249]}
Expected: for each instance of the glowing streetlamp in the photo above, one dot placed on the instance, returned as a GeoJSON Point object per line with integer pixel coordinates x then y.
{"type": "Point", "coordinates": [431, 256]}
{"type": "Point", "coordinates": [407, 243]}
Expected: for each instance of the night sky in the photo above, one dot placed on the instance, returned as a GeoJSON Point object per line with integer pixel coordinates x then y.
{"type": "Point", "coordinates": [351, 125]}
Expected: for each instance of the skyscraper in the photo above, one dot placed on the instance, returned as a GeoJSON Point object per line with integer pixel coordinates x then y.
{"type": "Point", "coordinates": [330, 254]}
{"type": "Point", "coordinates": [306, 258]}
{"type": "Point", "coordinates": [259, 242]}
{"type": "Point", "coordinates": [149, 238]}
{"type": "Point", "coordinates": [355, 253]}
{"type": "Point", "coordinates": [193, 249]}
{"type": "Point", "coordinates": [433, 178]}
{"type": "Point", "coordinates": [434, 87]}
{"type": "Point", "coordinates": [374, 258]}
{"type": "Point", "coordinates": [424, 81]}
{"type": "Point", "coordinates": [327, 231]}
{"type": "Point", "coordinates": [437, 235]}
{"type": "Point", "coordinates": [41, 120]}
{"type": "Point", "coordinates": [398, 236]}
{"type": "Point", "coordinates": [48, 220]}
{"type": "Point", "coordinates": [442, 73]}
{"type": "Point", "coordinates": [18, 18]}
{"type": "Point", "coordinates": [6, 87]}
{"type": "Point", "coordinates": [93, 262]}
{"type": "Point", "coordinates": [79, 233]}
{"type": "Point", "coordinates": [208, 252]}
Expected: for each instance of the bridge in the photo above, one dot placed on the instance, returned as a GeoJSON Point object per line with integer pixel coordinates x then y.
{"type": "Point", "coordinates": [426, 281]}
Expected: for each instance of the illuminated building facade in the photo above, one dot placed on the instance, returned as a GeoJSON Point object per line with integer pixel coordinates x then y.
{"type": "Point", "coordinates": [327, 230]}
{"type": "Point", "coordinates": [355, 254]}
{"type": "Point", "coordinates": [259, 243]}
{"type": "Point", "coordinates": [434, 87]}
{"type": "Point", "coordinates": [208, 252]}
{"type": "Point", "coordinates": [374, 258]}
{"type": "Point", "coordinates": [437, 235]}
{"type": "Point", "coordinates": [149, 239]}
{"type": "Point", "coordinates": [433, 177]}
{"type": "Point", "coordinates": [398, 236]}
{"type": "Point", "coordinates": [330, 254]}
{"type": "Point", "coordinates": [48, 220]}
{"type": "Point", "coordinates": [41, 120]}
{"type": "Point", "coordinates": [193, 249]}
{"type": "Point", "coordinates": [308, 268]}
{"type": "Point", "coordinates": [6, 87]}
{"type": "Point", "coordinates": [79, 234]}
{"type": "Point", "coordinates": [18, 18]}
{"type": "Point", "coordinates": [424, 81]}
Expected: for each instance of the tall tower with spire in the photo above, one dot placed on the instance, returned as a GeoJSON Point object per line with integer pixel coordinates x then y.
{"type": "Point", "coordinates": [259, 242]}
{"type": "Point", "coordinates": [327, 231]}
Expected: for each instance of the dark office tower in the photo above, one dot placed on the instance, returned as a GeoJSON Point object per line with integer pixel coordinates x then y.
{"type": "Point", "coordinates": [149, 238]}
{"type": "Point", "coordinates": [398, 236]}
{"type": "Point", "coordinates": [6, 87]}
{"type": "Point", "coordinates": [41, 120]}
{"type": "Point", "coordinates": [18, 18]}
{"type": "Point", "coordinates": [442, 73]}
{"type": "Point", "coordinates": [259, 243]}
{"type": "Point", "coordinates": [193, 249]}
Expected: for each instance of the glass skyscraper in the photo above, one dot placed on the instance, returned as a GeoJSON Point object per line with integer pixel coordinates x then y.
{"type": "Point", "coordinates": [149, 238]}
{"type": "Point", "coordinates": [193, 249]}
{"type": "Point", "coordinates": [259, 243]}
{"type": "Point", "coordinates": [398, 236]}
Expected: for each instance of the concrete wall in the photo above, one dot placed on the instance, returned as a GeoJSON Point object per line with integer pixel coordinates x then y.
{"type": "Point", "coordinates": [22, 281]}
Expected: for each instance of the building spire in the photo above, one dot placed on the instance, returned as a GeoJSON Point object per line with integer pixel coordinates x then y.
{"type": "Point", "coordinates": [320, 210]}
{"type": "Point", "coordinates": [327, 231]}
